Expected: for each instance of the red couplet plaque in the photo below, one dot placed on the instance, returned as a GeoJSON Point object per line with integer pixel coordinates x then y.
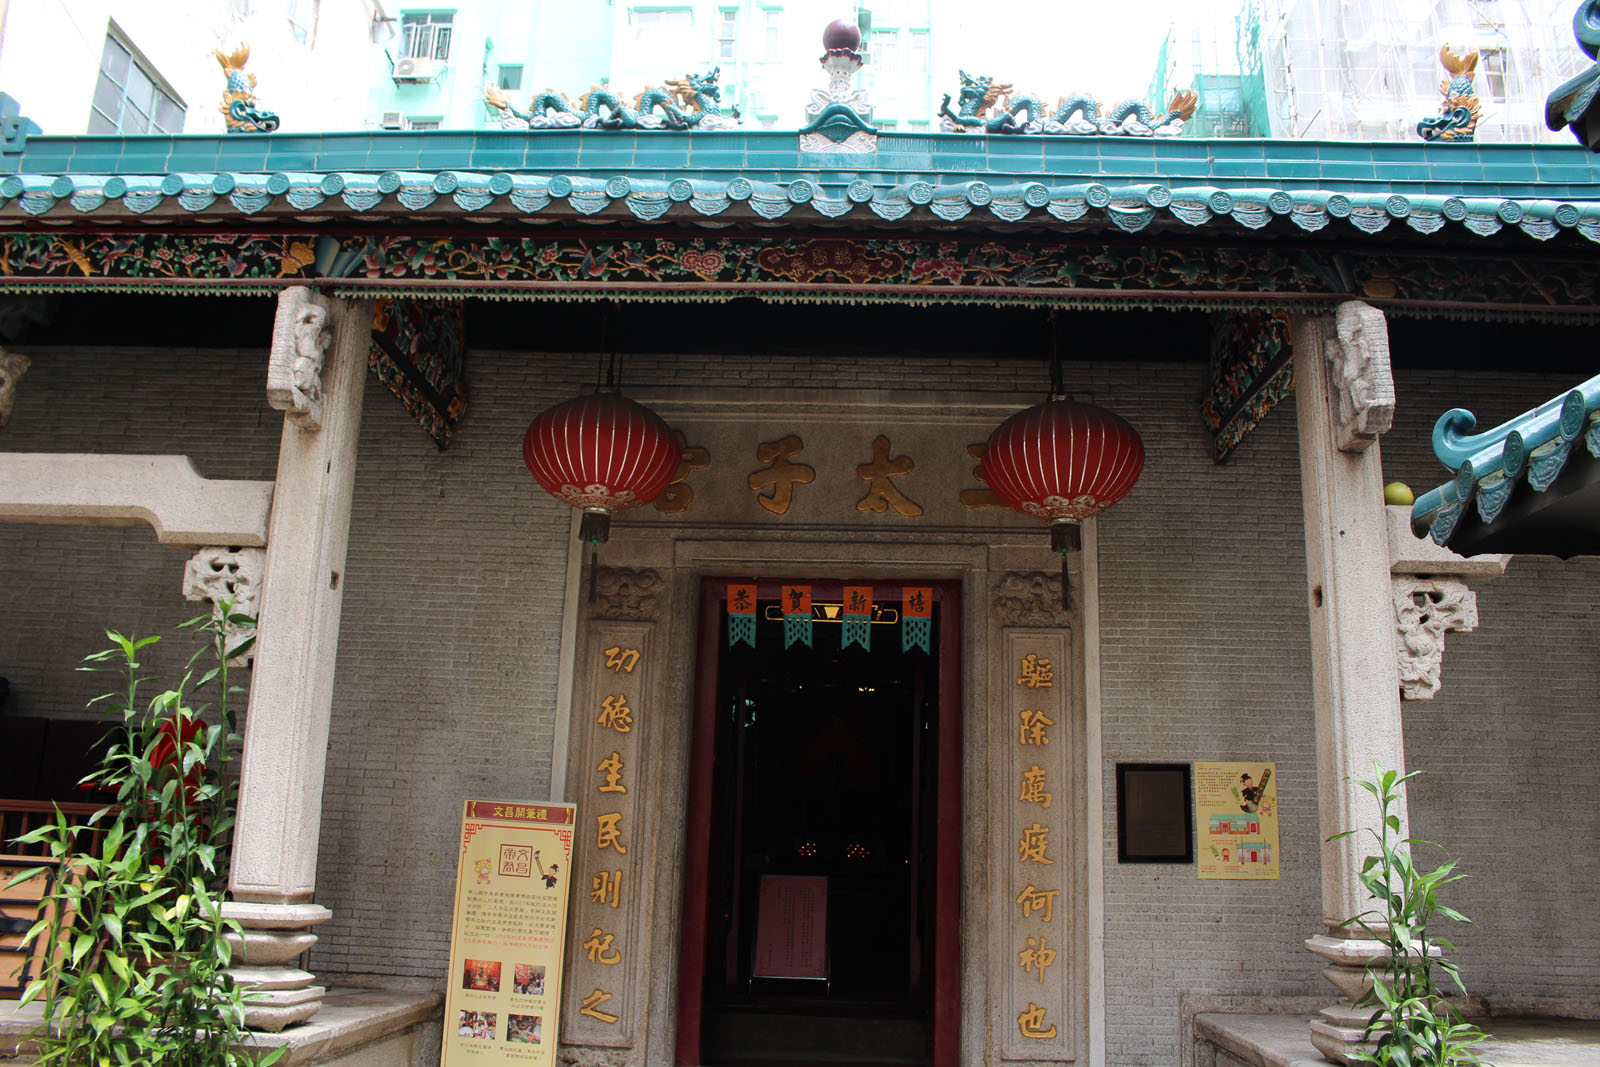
{"type": "Point", "coordinates": [792, 928]}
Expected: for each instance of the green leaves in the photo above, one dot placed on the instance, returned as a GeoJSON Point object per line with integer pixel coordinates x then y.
{"type": "Point", "coordinates": [140, 976]}
{"type": "Point", "coordinates": [1414, 1026]}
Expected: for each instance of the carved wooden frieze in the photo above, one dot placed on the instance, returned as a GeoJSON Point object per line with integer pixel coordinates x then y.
{"type": "Point", "coordinates": [1362, 392]}
{"type": "Point", "coordinates": [300, 339]}
{"type": "Point", "coordinates": [1425, 609]}
{"type": "Point", "coordinates": [621, 593]}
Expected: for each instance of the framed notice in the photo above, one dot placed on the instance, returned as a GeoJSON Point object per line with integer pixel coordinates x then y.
{"type": "Point", "coordinates": [792, 928]}
{"type": "Point", "coordinates": [508, 934]}
{"type": "Point", "coordinates": [1155, 813]}
{"type": "Point", "coordinates": [1236, 820]}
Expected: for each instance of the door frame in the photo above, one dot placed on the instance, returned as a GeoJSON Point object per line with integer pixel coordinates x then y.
{"type": "Point", "coordinates": [947, 833]}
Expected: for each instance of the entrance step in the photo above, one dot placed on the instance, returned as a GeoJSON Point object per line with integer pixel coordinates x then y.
{"type": "Point", "coordinates": [774, 1040]}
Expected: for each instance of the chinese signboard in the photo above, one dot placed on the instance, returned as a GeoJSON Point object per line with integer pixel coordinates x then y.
{"type": "Point", "coordinates": [1038, 741]}
{"type": "Point", "coordinates": [1236, 820]}
{"type": "Point", "coordinates": [604, 995]}
{"type": "Point", "coordinates": [509, 932]}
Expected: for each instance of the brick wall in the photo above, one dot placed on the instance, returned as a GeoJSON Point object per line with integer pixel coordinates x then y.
{"type": "Point", "coordinates": [452, 612]}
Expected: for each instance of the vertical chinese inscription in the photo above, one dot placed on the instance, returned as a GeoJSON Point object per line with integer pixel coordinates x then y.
{"type": "Point", "coordinates": [1034, 725]}
{"type": "Point", "coordinates": [615, 723]}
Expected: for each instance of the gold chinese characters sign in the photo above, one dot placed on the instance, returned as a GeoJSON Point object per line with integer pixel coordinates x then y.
{"type": "Point", "coordinates": [604, 992]}
{"type": "Point", "coordinates": [1236, 820]}
{"type": "Point", "coordinates": [508, 936]}
{"type": "Point", "coordinates": [1037, 740]}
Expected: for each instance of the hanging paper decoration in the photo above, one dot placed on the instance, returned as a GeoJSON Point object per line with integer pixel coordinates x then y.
{"type": "Point", "coordinates": [916, 618]}
{"type": "Point", "coordinates": [857, 614]}
{"type": "Point", "coordinates": [741, 613]}
{"type": "Point", "coordinates": [796, 615]}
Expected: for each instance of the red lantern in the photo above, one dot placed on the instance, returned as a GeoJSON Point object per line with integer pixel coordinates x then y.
{"type": "Point", "coordinates": [1063, 462]}
{"type": "Point", "coordinates": [603, 453]}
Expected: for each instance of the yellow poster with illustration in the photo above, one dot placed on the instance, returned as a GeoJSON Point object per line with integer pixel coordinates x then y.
{"type": "Point", "coordinates": [508, 935]}
{"type": "Point", "coordinates": [1236, 820]}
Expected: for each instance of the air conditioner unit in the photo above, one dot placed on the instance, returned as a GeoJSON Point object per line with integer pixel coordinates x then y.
{"type": "Point", "coordinates": [392, 120]}
{"type": "Point", "coordinates": [415, 69]}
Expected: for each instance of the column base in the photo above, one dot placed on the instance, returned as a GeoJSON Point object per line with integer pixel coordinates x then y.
{"type": "Point", "coordinates": [271, 940]}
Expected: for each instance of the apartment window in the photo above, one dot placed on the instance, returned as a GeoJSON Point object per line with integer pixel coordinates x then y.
{"type": "Point", "coordinates": [917, 126]}
{"type": "Point", "coordinates": [426, 35]}
{"type": "Point", "coordinates": [1493, 63]}
{"type": "Point", "coordinates": [510, 76]}
{"type": "Point", "coordinates": [302, 16]}
{"type": "Point", "coordinates": [648, 23]}
{"type": "Point", "coordinates": [774, 32]}
{"type": "Point", "coordinates": [885, 50]}
{"type": "Point", "coordinates": [727, 33]}
{"type": "Point", "coordinates": [917, 62]}
{"type": "Point", "coordinates": [424, 124]}
{"type": "Point", "coordinates": [130, 97]}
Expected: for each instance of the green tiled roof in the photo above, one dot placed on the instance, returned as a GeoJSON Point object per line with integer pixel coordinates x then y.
{"type": "Point", "coordinates": [1519, 459]}
{"type": "Point", "coordinates": [988, 181]}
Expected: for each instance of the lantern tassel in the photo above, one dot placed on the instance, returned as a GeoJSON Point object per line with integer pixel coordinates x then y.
{"type": "Point", "coordinates": [1064, 538]}
{"type": "Point", "coordinates": [595, 528]}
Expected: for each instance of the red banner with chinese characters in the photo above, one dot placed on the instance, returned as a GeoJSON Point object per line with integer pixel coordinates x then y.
{"type": "Point", "coordinates": [508, 935]}
{"type": "Point", "coordinates": [742, 613]}
{"type": "Point", "coordinates": [857, 615]}
{"type": "Point", "coordinates": [916, 617]}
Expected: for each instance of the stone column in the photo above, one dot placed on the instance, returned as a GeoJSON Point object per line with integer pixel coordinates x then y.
{"type": "Point", "coordinates": [1345, 399]}
{"type": "Point", "coordinates": [273, 876]}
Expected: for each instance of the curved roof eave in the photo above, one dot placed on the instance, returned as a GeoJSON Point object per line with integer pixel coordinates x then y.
{"type": "Point", "coordinates": [957, 181]}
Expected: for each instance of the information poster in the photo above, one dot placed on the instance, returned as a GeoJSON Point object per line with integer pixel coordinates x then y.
{"type": "Point", "coordinates": [508, 934]}
{"type": "Point", "coordinates": [1236, 820]}
{"type": "Point", "coordinates": [792, 929]}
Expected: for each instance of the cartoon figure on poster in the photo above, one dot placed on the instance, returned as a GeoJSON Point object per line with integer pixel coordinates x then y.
{"type": "Point", "coordinates": [1236, 814]}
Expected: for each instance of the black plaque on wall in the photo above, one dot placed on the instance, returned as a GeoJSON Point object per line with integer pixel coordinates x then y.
{"type": "Point", "coordinates": [1155, 813]}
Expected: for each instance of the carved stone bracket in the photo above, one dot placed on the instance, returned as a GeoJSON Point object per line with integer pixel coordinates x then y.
{"type": "Point", "coordinates": [1430, 594]}
{"type": "Point", "coordinates": [13, 365]}
{"type": "Point", "coordinates": [228, 574]}
{"type": "Point", "coordinates": [1362, 384]}
{"type": "Point", "coordinates": [627, 594]}
{"type": "Point", "coordinates": [1032, 599]}
{"type": "Point", "coordinates": [1424, 609]}
{"type": "Point", "coordinates": [300, 338]}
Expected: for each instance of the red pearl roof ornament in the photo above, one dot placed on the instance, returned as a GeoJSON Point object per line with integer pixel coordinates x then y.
{"type": "Point", "coordinates": [603, 453]}
{"type": "Point", "coordinates": [1063, 462]}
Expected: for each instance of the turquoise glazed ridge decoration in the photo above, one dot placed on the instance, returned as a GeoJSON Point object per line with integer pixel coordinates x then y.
{"type": "Point", "coordinates": [1076, 115]}
{"type": "Point", "coordinates": [693, 101]}
{"type": "Point", "coordinates": [1574, 104]}
{"type": "Point", "coordinates": [239, 97]}
{"type": "Point", "coordinates": [1533, 447]}
{"type": "Point", "coordinates": [1458, 113]}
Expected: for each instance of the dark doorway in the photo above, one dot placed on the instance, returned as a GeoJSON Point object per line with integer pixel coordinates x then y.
{"type": "Point", "coordinates": [820, 890]}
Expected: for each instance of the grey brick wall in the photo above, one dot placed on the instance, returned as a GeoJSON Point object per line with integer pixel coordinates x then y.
{"type": "Point", "coordinates": [449, 642]}
{"type": "Point", "coordinates": [1508, 747]}
{"type": "Point", "coordinates": [62, 587]}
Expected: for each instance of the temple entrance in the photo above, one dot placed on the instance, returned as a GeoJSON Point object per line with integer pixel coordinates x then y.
{"type": "Point", "coordinates": [820, 890]}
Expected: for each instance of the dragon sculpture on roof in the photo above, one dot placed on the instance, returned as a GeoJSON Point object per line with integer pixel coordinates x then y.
{"type": "Point", "coordinates": [1457, 119]}
{"type": "Point", "coordinates": [1079, 114]}
{"type": "Point", "coordinates": [690, 102]}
